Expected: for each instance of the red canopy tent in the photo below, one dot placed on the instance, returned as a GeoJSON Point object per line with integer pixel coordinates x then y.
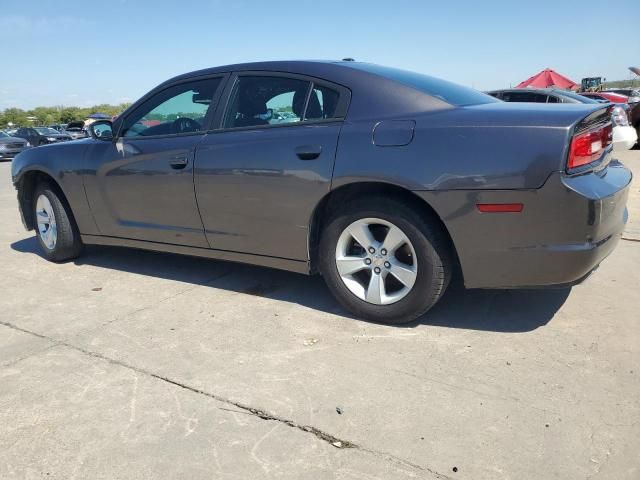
{"type": "Point", "coordinates": [548, 78]}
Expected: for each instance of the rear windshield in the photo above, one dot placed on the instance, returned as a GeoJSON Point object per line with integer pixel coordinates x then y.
{"type": "Point", "coordinates": [447, 91]}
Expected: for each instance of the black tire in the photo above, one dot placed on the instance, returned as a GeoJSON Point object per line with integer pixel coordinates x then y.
{"type": "Point", "coordinates": [432, 248]}
{"type": "Point", "coordinates": [68, 244]}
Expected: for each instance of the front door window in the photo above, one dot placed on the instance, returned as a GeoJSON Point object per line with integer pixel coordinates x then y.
{"type": "Point", "coordinates": [181, 109]}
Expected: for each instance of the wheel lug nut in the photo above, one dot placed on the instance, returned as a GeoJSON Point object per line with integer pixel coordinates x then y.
{"type": "Point", "coordinates": [367, 261]}
{"type": "Point", "coordinates": [377, 269]}
{"type": "Point", "coordinates": [372, 250]}
{"type": "Point", "coordinates": [387, 265]}
{"type": "Point", "coordinates": [383, 251]}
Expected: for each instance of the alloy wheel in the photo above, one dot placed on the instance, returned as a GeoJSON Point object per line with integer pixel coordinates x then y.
{"type": "Point", "coordinates": [46, 220]}
{"type": "Point", "coordinates": [376, 261]}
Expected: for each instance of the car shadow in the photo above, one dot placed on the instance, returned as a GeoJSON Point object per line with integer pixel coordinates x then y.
{"type": "Point", "coordinates": [488, 310]}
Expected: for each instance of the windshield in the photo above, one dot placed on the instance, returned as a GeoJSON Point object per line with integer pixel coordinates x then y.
{"type": "Point", "coordinates": [449, 92]}
{"type": "Point", "coordinates": [46, 131]}
{"type": "Point", "coordinates": [3, 134]}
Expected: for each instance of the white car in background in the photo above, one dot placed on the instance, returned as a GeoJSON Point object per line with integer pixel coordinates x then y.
{"type": "Point", "coordinates": [625, 136]}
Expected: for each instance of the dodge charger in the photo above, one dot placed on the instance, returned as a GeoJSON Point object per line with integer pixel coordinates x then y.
{"type": "Point", "coordinates": [384, 181]}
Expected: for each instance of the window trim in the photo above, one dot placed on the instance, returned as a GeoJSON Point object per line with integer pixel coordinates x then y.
{"type": "Point", "coordinates": [163, 88]}
{"type": "Point", "coordinates": [342, 105]}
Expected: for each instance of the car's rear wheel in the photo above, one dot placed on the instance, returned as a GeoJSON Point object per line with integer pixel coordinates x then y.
{"type": "Point", "coordinates": [56, 230]}
{"type": "Point", "coordinates": [385, 262]}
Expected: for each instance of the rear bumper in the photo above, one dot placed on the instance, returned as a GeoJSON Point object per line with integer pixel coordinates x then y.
{"type": "Point", "coordinates": [566, 228]}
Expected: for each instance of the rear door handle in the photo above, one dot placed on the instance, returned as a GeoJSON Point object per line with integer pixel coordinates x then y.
{"type": "Point", "coordinates": [308, 152]}
{"type": "Point", "coordinates": [178, 162]}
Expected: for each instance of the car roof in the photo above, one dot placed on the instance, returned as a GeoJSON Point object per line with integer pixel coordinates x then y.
{"type": "Point", "coordinates": [304, 67]}
{"type": "Point", "coordinates": [382, 95]}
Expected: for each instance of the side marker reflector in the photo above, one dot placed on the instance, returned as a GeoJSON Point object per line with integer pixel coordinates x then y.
{"type": "Point", "coordinates": [500, 207]}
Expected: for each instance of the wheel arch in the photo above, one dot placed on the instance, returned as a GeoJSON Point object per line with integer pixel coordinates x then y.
{"type": "Point", "coordinates": [343, 194]}
{"type": "Point", "coordinates": [26, 185]}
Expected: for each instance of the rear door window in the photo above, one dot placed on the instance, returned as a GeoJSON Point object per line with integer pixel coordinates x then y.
{"type": "Point", "coordinates": [266, 100]}
{"type": "Point", "coordinates": [322, 103]}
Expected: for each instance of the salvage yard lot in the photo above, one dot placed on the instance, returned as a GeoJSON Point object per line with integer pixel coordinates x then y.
{"type": "Point", "coordinates": [130, 364]}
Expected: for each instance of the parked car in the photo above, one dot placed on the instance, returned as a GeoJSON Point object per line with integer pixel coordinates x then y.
{"type": "Point", "coordinates": [11, 146]}
{"type": "Point", "coordinates": [625, 133]}
{"type": "Point", "coordinates": [632, 93]}
{"type": "Point", "coordinates": [633, 98]}
{"type": "Point", "coordinates": [630, 99]}
{"type": "Point", "coordinates": [76, 133]}
{"type": "Point", "coordinates": [41, 135]}
{"type": "Point", "coordinates": [538, 95]}
{"type": "Point", "coordinates": [606, 96]}
{"type": "Point", "coordinates": [388, 182]}
{"type": "Point", "coordinates": [77, 130]}
{"type": "Point", "coordinates": [60, 127]}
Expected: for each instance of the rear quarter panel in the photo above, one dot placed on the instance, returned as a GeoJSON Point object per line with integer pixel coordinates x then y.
{"type": "Point", "coordinates": [485, 147]}
{"type": "Point", "coordinates": [495, 153]}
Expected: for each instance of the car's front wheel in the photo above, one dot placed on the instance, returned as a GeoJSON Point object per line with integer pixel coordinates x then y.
{"type": "Point", "coordinates": [384, 261]}
{"type": "Point", "coordinates": [56, 231]}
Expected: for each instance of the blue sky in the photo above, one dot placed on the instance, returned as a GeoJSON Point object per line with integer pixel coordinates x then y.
{"type": "Point", "coordinates": [83, 53]}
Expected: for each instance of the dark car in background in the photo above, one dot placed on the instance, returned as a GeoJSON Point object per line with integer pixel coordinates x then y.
{"type": "Point", "coordinates": [539, 95]}
{"type": "Point", "coordinates": [37, 136]}
{"type": "Point", "coordinates": [625, 126]}
{"type": "Point", "coordinates": [11, 146]}
{"type": "Point", "coordinates": [384, 181]}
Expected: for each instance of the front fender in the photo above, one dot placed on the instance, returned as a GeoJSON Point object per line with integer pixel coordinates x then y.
{"type": "Point", "coordinates": [63, 164]}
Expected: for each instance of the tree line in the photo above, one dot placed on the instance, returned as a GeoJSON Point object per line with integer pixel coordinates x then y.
{"type": "Point", "coordinates": [53, 115]}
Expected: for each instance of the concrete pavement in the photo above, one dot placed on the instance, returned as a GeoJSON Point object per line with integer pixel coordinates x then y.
{"type": "Point", "coordinates": [129, 364]}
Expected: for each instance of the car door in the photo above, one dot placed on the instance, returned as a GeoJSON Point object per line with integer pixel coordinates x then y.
{"type": "Point", "coordinates": [259, 176]}
{"type": "Point", "coordinates": [140, 184]}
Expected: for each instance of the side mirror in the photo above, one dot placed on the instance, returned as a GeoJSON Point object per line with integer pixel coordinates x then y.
{"type": "Point", "coordinates": [101, 130]}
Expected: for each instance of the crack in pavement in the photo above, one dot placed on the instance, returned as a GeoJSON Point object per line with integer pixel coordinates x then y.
{"type": "Point", "coordinates": [259, 413]}
{"type": "Point", "coordinates": [10, 363]}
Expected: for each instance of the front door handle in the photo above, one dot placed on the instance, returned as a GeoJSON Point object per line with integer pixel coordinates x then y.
{"type": "Point", "coordinates": [308, 152]}
{"type": "Point", "coordinates": [178, 162]}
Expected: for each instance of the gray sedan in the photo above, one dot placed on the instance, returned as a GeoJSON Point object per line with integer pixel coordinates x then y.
{"type": "Point", "coordinates": [11, 146]}
{"type": "Point", "coordinates": [385, 182]}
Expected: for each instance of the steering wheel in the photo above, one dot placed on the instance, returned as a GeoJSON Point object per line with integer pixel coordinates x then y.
{"type": "Point", "coordinates": [184, 125]}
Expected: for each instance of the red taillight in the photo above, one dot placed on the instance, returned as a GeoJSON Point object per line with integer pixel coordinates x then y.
{"type": "Point", "coordinates": [587, 147]}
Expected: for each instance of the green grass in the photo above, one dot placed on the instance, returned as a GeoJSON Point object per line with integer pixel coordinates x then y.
{"type": "Point", "coordinates": [623, 84]}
